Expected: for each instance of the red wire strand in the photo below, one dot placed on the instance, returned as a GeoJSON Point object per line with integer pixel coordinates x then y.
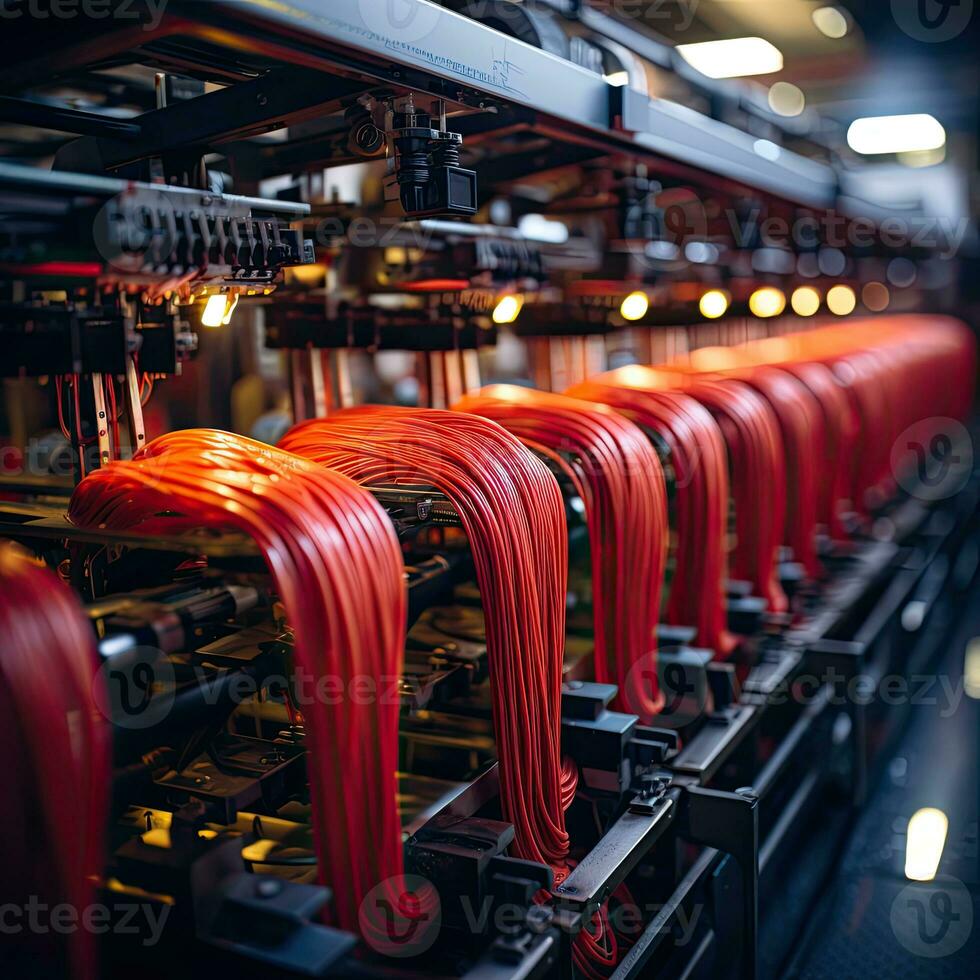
{"type": "Point", "coordinates": [512, 512]}
{"type": "Point", "coordinates": [337, 567]}
{"type": "Point", "coordinates": [618, 476]}
{"type": "Point", "coordinates": [57, 781]}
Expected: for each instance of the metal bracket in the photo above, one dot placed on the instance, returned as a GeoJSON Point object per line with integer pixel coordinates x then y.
{"type": "Point", "coordinates": [729, 822]}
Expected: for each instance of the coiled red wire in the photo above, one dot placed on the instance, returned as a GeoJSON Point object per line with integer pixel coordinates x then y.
{"type": "Point", "coordinates": [617, 474]}
{"type": "Point", "coordinates": [512, 512]}
{"type": "Point", "coordinates": [57, 758]}
{"type": "Point", "coordinates": [337, 567]}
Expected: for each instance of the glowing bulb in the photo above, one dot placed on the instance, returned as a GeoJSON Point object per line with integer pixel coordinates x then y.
{"type": "Point", "coordinates": [767, 301]}
{"type": "Point", "coordinates": [924, 843]}
{"type": "Point", "coordinates": [805, 301]}
{"type": "Point", "coordinates": [841, 300]}
{"type": "Point", "coordinates": [713, 304]}
{"type": "Point", "coordinates": [214, 310]}
{"type": "Point", "coordinates": [507, 308]}
{"type": "Point", "coordinates": [635, 306]}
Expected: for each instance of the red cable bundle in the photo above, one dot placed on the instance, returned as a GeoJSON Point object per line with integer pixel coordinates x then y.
{"type": "Point", "coordinates": [697, 592]}
{"type": "Point", "coordinates": [337, 567]}
{"type": "Point", "coordinates": [57, 759]}
{"type": "Point", "coordinates": [889, 373]}
{"type": "Point", "coordinates": [755, 458]}
{"type": "Point", "coordinates": [802, 429]}
{"type": "Point", "coordinates": [617, 474]}
{"type": "Point", "coordinates": [512, 512]}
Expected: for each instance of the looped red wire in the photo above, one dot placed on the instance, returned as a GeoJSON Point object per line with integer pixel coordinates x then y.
{"type": "Point", "coordinates": [337, 567]}
{"type": "Point", "coordinates": [617, 475]}
{"type": "Point", "coordinates": [512, 512]}
{"type": "Point", "coordinates": [58, 759]}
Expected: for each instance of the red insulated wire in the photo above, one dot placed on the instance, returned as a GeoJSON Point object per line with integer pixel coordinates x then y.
{"type": "Point", "coordinates": [892, 372]}
{"type": "Point", "coordinates": [697, 455]}
{"type": "Point", "coordinates": [618, 476]}
{"type": "Point", "coordinates": [58, 756]}
{"type": "Point", "coordinates": [337, 567]}
{"type": "Point", "coordinates": [512, 512]}
{"type": "Point", "coordinates": [756, 464]}
{"type": "Point", "coordinates": [802, 430]}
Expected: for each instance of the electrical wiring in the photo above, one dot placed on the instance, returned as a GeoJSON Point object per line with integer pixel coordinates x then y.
{"type": "Point", "coordinates": [511, 509]}
{"type": "Point", "coordinates": [618, 477]}
{"type": "Point", "coordinates": [874, 379]}
{"type": "Point", "coordinates": [698, 462]}
{"type": "Point", "coordinates": [802, 430]}
{"type": "Point", "coordinates": [756, 465]}
{"type": "Point", "coordinates": [58, 757]}
{"type": "Point", "coordinates": [337, 568]}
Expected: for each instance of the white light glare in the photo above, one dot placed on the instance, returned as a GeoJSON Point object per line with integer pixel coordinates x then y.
{"type": "Point", "coordinates": [617, 79]}
{"type": "Point", "coordinates": [733, 58]}
{"type": "Point", "coordinates": [924, 843]}
{"type": "Point", "coordinates": [831, 21]}
{"type": "Point", "coordinates": [896, 134]}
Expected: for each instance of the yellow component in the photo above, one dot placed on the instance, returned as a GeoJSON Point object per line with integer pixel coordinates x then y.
{"type": "Point", "coordinates": [635, 306]}
{"type": "Point", "coordinates": [767, 301]}
{"type": "Point", "coordinates": [805, 301]}
{"type": "Point", "coordinates": [214, 311]}
{"type": "Point", "coordinates": [714, 303]}
{"type": "Point", "coordinates": [841, 300]}
{"type": "Point", "coordinates": [507, 308]}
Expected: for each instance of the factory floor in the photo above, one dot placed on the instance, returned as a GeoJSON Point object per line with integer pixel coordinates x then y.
{"type": "Point", "coordinates": [870, 921]}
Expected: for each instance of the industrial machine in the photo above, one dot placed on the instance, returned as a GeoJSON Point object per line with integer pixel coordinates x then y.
{"type": "Point", "coordinates": [548, 180]}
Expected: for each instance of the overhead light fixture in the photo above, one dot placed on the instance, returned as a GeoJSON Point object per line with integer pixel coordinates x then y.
{"type": "Point", "coordinates": [896, 134]}
{"type": "Point", "coordinates": [841, 300]}
{"type": "Point", "coordinates": [786, 99]}
{"type": "Point", "coordinates": [831, 21]}
{"type": "Point", "coordinates": [767, 302]}
{"type": "Point", "coordinates": [924, 843]}
{"type": "Point", "coordinates": [507, 308]}
{"type": "Point", "coordinates": [713, 304]}
{"type": "Point", "coordinates": [733, 58]}
{"type": "Point", "coordinates": [635, 306]}
{"type": "Point", "coordinates": [805, 301]}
